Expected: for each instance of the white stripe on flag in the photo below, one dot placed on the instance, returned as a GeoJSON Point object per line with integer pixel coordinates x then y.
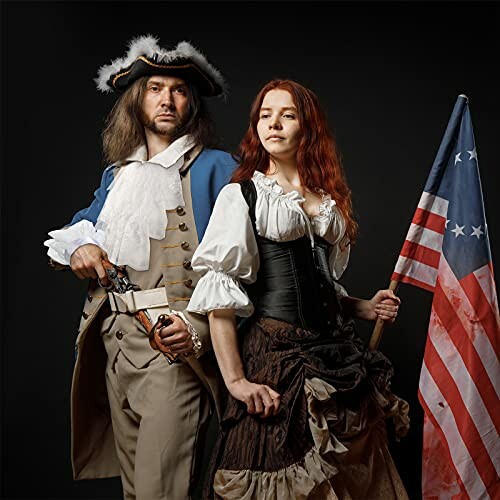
{"type": "Point", "coordinates": [487, 284]}
{"type": "Point", "coordinates": [475, 331]}
{"type": "Point", "coordinates": [455, 365]}
{"type": "Point", "coordinates": [425, 237]}
{"type": "Point", "coordinates": [460, 455]}
{"type": "Point", "coordinates": [434, 204]}
{"type": "Point", "coordinates": [416, 270]}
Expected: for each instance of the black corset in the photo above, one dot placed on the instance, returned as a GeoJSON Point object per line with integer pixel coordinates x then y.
{"type": "Point", "coordinates": [294, 283]}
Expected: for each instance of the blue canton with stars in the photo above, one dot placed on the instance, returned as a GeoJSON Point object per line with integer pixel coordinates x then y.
{"type": "Point", "coordinates": [455, 177]}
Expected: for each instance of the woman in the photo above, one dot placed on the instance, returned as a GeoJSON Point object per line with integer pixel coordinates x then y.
{"type": "Point", "coordinates": [307, 404]}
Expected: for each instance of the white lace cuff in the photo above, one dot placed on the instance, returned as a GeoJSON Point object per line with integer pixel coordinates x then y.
{"type": "Point", "coordinates": [218, 290]}
{"type": "Point", "coordinates": [65, 241]}
{"type": "Point", "coordinates": [197, 345]}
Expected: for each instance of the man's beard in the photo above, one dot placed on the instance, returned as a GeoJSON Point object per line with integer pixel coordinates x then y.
{"type": "Point", "coordinates": [168, 129]}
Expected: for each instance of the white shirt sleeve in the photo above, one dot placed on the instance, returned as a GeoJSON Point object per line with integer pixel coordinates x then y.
{"type": "Point", "coordinates": [227, 256]}
{"type": "Point", "coordinates": [330, 225]}
{"type": "Point", "coordinates": [338, 259]}
{"type": "Point", "coordinates": [66, 240]}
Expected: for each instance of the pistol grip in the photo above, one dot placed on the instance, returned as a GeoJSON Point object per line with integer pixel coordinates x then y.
{"type": "Point", "coordinates": [155, 339]}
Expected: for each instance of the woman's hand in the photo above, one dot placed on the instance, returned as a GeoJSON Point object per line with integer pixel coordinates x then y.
{"type": "Point", "coordinates": [384, 305]}
{"type": "Point", "coordinates": [260, 399]}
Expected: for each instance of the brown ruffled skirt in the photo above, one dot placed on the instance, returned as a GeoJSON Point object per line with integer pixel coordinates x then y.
{"type": "Point", "coordinates": [328, 439]}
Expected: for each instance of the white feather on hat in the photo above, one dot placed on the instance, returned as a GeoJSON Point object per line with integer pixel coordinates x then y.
{"type": "Point", "coordinates": [147, 45]}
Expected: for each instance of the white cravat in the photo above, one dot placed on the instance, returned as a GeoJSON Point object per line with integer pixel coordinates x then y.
{"type": "Point", "coordinates": [135, 209]}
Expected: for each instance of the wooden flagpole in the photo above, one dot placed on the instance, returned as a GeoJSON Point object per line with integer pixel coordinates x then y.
{"type": "Point", "coordinates": [380, 323]}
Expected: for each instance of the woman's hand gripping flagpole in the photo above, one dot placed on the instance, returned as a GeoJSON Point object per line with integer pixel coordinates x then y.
{"type": "Point", "coordinates": [380, 324]}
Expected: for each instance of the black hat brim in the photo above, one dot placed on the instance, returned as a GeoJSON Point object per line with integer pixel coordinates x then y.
{"type": "Point", "coordinates": [181, 68]}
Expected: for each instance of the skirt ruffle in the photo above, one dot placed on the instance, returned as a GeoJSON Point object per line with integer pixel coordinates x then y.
{"type": "Point", "coordinates": [358, 466]}
{"type": "Point", "coordinates": [328, 439]}
{"type": "Point", "coordinates": [296, 481]}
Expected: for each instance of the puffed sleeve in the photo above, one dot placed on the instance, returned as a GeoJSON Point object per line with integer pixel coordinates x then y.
{"type": "Point", "coordinates": [330, 225]}
{"type": "Point", "coordinates": [338, 258]}
{"type": "Point", "coordinates": [226, 257]}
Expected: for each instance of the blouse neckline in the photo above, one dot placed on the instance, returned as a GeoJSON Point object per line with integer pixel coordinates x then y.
{"type": "Point", "coordinates": [272, 186]}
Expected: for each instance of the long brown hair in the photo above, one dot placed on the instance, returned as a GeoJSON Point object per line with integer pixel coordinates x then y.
{"type": "Point", "coordinates": [318, 160]}
{"type": "Point", "coordinates": [124, 131]}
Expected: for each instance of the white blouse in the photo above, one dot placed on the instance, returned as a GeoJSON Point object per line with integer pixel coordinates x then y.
{"type": "Point", "coordinates": [228, 255]}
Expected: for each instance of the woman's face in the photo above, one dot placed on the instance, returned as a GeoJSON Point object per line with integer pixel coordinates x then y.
{"type": "Point", "coordinates": [278, 126]}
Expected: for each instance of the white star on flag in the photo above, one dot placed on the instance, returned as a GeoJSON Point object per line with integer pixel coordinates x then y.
{"type": "Point", "coordinates": [457, 158]}
{"type": "Point", "coordinates": [473, 154]}
{"type": "Point", "coordinates": [446, 223]}
{"type": "Point", "coordinates": [476, 231]}
{"type": "Point", "coordinates": [459, 230]}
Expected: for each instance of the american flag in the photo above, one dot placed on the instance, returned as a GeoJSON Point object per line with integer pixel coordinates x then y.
{"type": "Point", "coordinates": [447, 252]}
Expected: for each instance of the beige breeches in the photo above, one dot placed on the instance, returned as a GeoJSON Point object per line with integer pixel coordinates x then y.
{"type": "Point", "coordinates": [157, 412]}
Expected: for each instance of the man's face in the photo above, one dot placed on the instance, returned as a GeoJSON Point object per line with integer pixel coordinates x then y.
{"type": "Point", "coordinates": [165, 107]}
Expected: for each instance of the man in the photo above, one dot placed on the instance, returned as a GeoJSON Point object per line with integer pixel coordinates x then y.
{"type": "Point", "coordinates": [133, 413]}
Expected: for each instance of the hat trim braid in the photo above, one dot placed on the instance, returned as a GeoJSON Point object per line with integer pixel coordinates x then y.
{"type": "Point", "coordinates": [147, 47]}
{"type": "Point", "coordinates": [142, 58]}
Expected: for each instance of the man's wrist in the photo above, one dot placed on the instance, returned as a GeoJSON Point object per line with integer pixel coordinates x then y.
{"type": "Point", "coordinates": [197, 345]}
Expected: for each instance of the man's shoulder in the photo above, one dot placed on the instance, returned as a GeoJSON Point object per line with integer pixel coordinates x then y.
{"type": "Point", "coordinates": [110, 171]}
{"type": "Point", "coordinates": [217, 158]}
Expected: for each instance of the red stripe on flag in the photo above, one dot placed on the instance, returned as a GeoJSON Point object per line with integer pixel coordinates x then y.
{"type": "Point", "coordinates": [482, 307]}
{"type": "Point", "coordinates": [445, 310]}
{"type": "Point", "coordinates": [470, 435]}
{"type": "Point", "coordinates": [429, 220]}
{"type": "Point", "coordinates": [412, 281]}
{"type": "Point", "coordinates": [421, 254]}
{"type": "Point", "coordinates": [466, 427]}
{"type": "Point", "coordinates": [446, 447]}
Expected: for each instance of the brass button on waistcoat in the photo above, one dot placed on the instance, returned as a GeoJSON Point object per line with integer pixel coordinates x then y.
{"type": "Point", "coordinates": [183, 226]}
{"type": "Point", "coordinates": [185, 245]}
{"type": "Point", "coordinates": [85, 315]}
{"type": "Point", "coordinates": [119, 334]}
{"type": "Point", "coordinates": [89, 297]}
{"type": "Point", "coordinates": [187, 264]}
{"type": "Point", "coordinates": [180, 211]}
{"type": "Point", "coordinates": [188, 282]}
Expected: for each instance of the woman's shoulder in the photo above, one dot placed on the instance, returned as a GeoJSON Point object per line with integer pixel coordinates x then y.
{"type": "Point", "coordinates": [230, 189]}
{"type": "Point", "coordinates": [329, 223]}
{"type": "Point", "coordinates": [269, 188]}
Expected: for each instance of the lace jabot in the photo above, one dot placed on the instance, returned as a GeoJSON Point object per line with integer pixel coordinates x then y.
{"type": "Point", "coordinates": [134, 211]}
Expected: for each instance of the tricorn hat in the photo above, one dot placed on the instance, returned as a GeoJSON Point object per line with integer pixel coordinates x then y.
{"type": "Point", "coordinates": [146, 57]}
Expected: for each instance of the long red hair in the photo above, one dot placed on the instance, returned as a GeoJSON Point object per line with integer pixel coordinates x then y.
{"type": "Point", "coordinates": [318, 159]}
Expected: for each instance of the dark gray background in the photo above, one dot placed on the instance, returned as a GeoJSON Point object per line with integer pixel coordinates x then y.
{"type": "Point", "coordinates": [388, 75]}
